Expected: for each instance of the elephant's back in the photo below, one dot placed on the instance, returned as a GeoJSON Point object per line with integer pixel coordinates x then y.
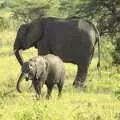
{"type": "Point", "coordinates": [56, 66]}
{"type": "Point", "coordinates": [54, 60]}
{"type": "Point", "coordinates": [70, 39]}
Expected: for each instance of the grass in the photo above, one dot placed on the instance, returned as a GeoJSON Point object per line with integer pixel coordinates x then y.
{"type": "Point", "coordinates": [99, 100]}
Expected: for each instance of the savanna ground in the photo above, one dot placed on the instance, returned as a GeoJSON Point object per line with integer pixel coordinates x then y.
{"type": "Point", "coordinates": [98, 101]}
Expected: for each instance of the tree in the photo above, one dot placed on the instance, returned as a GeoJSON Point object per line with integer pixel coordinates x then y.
{"type": "Point", "coordinates": [116, 54]}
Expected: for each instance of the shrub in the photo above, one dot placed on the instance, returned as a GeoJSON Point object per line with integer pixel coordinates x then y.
{"type": "Point", "coordinates": [116, 53]}
{"type": "Point", "coordinates": [4, 23]}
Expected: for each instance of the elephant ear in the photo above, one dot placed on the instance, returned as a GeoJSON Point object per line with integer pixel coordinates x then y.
{"type": "Point", "coordinates": [34, 34]}
{"type": "Point", "coordinates": [41, 69]}
{"type": "Point", "coordinates": [46, 67]}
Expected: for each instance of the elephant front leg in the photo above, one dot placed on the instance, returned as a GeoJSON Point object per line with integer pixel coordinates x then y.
{"type": "Point", "coordinates": [80, 76]}
{"type": "Point", "coordinates": [37, 86]}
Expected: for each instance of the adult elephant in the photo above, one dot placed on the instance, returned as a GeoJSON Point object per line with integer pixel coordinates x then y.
{"type": "Point", "coordinates": [73, 40]}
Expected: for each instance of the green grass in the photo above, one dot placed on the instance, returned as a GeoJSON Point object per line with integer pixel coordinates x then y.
{"type": "Point", "coordinates": [99, 100]}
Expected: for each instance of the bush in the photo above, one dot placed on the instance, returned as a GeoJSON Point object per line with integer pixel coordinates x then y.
{"type": "Point", "coordinates": [116, 53]}
{"type": "Point", "coordinates": [34, 9]}
{"type": "Point", "coordinates": [4, 23]}
{"type": "Point", "coordinates": [107, 49]}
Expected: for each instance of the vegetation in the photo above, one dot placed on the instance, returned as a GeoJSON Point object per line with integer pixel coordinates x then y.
{"type": "Point", "coordinates": [100, 100]}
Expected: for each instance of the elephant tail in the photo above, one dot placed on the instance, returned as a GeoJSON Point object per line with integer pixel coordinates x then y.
{"type": "Point", "coordinates": [97, 41]}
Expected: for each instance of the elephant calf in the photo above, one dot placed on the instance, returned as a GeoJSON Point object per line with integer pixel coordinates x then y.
{"type": "Point", "coordinates": [48, 69]}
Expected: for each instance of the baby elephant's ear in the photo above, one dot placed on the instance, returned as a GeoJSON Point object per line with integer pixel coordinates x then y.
{"type": "Point", "coordinates": [38, 71]}
{"type": "Point", "coordinates": [46, 65]}
{"type": "Point", "coordinates": [40, 66]}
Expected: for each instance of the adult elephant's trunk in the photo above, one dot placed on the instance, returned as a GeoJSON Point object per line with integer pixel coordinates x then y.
{"type": "Point", "coordinates": [19, 81]}
{"type": "Point", "coordinates": [18, 56]}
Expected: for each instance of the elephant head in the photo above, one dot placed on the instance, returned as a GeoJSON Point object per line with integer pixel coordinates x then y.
{"type": "Point", "coordinates": [34, 69]}
{"type": "Point", "coordinates": [27, 36]}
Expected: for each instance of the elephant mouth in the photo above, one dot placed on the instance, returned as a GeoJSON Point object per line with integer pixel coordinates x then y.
{"type": "Point", "coordinates": [26, 78]}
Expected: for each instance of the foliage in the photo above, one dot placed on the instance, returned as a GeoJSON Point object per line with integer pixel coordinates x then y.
{"type": "Point", "coordinates": [29, 10]}
{"type": "Point", "coordinates": [107, 49]}
{"type": "Point", "coordinates": [34, 9]}
{"type": "Point", "coordinates": [116, 54]}
{"type": "Point", "coordinates": [3, 23]}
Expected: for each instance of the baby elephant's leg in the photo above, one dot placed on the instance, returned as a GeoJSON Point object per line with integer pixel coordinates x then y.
{"type": "Point", "coordinates": [60, 86]}
{"type": "Point", "coordinates": [37, 87]}
{"type": "Point", "coordinates": [49, 91]}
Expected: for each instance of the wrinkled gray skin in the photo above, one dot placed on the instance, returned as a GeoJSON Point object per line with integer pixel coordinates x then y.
{"type": "Point", "coordinates": [73, 40]}
{"type": "Point", "coordinates": [48, 69]}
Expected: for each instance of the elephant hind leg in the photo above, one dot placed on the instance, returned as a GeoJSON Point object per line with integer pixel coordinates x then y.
{"type": "Point", "coordinates": [80, 76]}
{"type": "Point", "coordinates": [60, 86]}
{"type": "Point", "coordinates": [49, 91]}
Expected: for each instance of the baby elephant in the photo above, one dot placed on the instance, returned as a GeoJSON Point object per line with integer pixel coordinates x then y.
{"type": "Point", "coordinates": [48, 69]}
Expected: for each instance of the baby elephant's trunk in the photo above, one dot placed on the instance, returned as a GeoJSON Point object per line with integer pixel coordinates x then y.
{"type": "Point", "coordinates": [19, 81]}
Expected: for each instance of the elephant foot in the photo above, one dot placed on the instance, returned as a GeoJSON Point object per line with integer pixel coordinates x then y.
{"type": "Point", "coordinates": [78, 84]}
{"type": "Point", "coordinates": [37, 97]}
{"type": "Point", "coordinates": [48, 97]}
